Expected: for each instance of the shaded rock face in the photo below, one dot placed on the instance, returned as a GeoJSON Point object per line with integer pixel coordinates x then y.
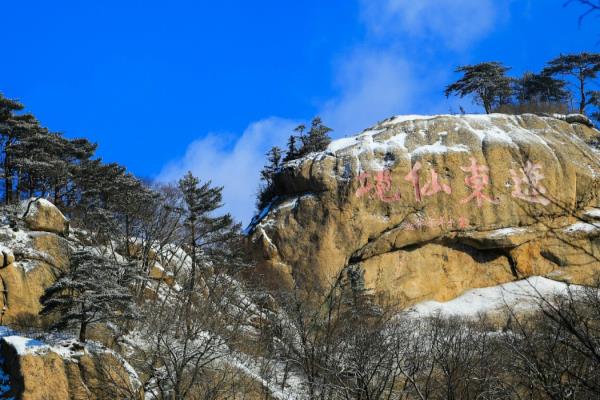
{"type": "Point", "coordinates": [42, 215]}
{"type": "Point", "coordinates": [426, 207]}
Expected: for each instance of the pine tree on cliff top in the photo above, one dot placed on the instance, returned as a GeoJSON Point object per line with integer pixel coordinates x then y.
{"type": "Point", "coordinates": [487, 82]}
{"type": "Point", "coordinates": [317, 138]}
{"type": "Point", "coordinates": [8, 120]}
{"type": "Point", "coordinates": [292, 149]}
{"type": "Point", "coordinates": [266, 189]}
{"type": "Point", "coordinates": [582, 67]}
{"type": "Point", "coordinates": [540, 88]}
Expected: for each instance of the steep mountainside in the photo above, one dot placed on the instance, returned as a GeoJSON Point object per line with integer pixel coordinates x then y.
{"type": "Point", "coordinates": [425, 208]}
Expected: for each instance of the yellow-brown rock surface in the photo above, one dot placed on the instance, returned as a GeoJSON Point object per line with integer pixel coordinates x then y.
{"type": "Point", "coordinates": [427, 207]}
{"type": "Point", "coordinates": [66, 371]}
{"type": "Point", "coordinates": [36, 259]}
{"type": "Point", "coordinates": [42, 215]}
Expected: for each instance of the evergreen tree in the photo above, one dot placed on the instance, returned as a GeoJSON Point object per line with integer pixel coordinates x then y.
{"type": "Point", "coordinates": [317, 138]}
{"type": "Point", "coordinates": [486, 81]}
{"type": "Point", "coordinates": [582, 67]}
{"type": "Point", "coordinates": [10, 126]}
{"type": "Point", "coordinates": [93, 290]}
{"type": "Point", "coordinates": [267, 189]}
{"type": "Point", "coordinates": [539, 88]}
{"type": "Point", "coordinates": [206, 233]}
{"type": "Point", "coordinates": [594, 100]}
{"type": "Point", "coordinates": [273, 164]}
{"type": "Point", "coordinates": [39, 160]}
{"type": "Point", "coordinates": [292, 150]}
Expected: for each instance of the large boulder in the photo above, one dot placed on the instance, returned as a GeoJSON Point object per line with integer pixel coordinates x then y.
{"type": "Point", "coordinates": [422, 208]}
{"type": "Point", "coordinates": [41, 215]}
{"type": "Point", "coordinates": [29, 263]}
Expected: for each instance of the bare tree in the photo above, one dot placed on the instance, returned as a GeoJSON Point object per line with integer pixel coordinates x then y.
{"type": "Point", "coordinates": [591, 7]}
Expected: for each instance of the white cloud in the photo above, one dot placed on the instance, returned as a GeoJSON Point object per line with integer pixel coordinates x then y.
{"type": "Point", "coordinates": [373, 85]}
{"type": "Point", "coordinates": [377, 79]}
{"type": "Point", "coordinates": [456, 23]}
{"type": "Point", "coordinates": [232, 162]}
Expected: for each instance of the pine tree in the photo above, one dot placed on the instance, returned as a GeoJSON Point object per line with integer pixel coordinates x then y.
{"type": "Point", "coordinates": [486, 81]}
{"type": "Point", "coordinates": [273, 164]}
{"type": "Point", "coordinates": [267, 190]}
{"type": "Point", "coordinates": [539, 88]}
{"type": "Point", "coordinates": [582, 67]}
{"type": "Point", "coordinates": [10, 127]}
{"type": "Point", "coordinates": [292, 150]}
{"type": "Point", "coordinates": [93, 290]}
{"type": "Point", "coordinates": [594, 100]}
{"type": "Point", "coordinates": [206, 233]}
{"type": "Point", "coordinates": [317, 138]}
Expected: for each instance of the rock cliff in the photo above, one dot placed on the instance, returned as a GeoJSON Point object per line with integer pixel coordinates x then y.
{"type": "Point", "coordinates": [64, 369]}
{"type": "Point", "coordinates": [35, 245]}
{"type": "Point", "coordinates": [424, 208]}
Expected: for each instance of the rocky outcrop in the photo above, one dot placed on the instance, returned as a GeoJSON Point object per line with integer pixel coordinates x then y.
{"type": "Point", "coordinates": [41, 215]}
{"type": "Point", "coordinates": [65, 370]}
{"type": "Point", "coordinates": [424, 208]}
{"type": "Point", "coordinates": [29, 263]}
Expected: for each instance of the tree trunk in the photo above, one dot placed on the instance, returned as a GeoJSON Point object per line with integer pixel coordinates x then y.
{"type": "Point", "coordinates": [583, 101]}
{"type": "Point", "coordinates": [82, 331]}
{"type": "Point", "coordinates": [487, 106]}
{"type": "Point", "coordinates": [7, 181]}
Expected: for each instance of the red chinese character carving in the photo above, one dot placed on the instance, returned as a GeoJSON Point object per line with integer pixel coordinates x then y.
{"type": "Point", "coordinates": [463, 223]}
{"type": "Point", "coordinates": [413, 178]}
{"type": "Point", "coordinates": [445, 222]}
{"type": "Point", "coordinates": [383, 185]}
{"type": "Point", "coordinates": [381, 188]}
{"type": "Point", "coordinates": [364, 185]}
{"type": "Point", "coordinates": [432, 187]}
{"type": "Point", "coordinates": [528, 186]}
{"type": "Point", "coordinates": [478, 180]}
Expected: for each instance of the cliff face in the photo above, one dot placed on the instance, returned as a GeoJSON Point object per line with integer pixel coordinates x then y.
{"type": "Point", "coordinates": [35, 251]}
{"type": "Point", "coordinates": [64, 369]}
{"type": "Point", "coordinates": [35, 245]}
{"type": "Point", "coordinates": [423, 208]}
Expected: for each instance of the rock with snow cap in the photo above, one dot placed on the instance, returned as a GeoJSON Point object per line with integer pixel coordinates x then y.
{"type": "Point", "coordinates": [428, 207]}
{"type": "Point", "coordinates": [64, 369]}
{"type": "Point", "coordinates": [41, 215]}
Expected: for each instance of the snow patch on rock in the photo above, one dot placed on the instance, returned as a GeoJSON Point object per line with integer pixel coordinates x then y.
{"type": "Point", "coordinates": [521, 295]}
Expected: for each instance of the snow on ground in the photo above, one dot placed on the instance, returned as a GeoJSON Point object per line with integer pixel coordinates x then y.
{"type": "Point", "coordinates": [520, 295]}
{"type": "Point", "coordinates": [484, 127]}
{"type": "Point", "coordinates": [504, 232]}
{"type": "Point", "coordinates": [594, 213]}
{"type": "Point", "coordinates": [340, 144]}
{"type": "Point", "coordinates": [582, 227]}
{"type": "Point", "coordinates": [397, 119]}
{"type": "Point", "coordinates": [439, 148]}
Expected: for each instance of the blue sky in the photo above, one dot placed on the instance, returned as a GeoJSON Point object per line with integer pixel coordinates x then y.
{"type": "Point", "coordinates": [164, 87]}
